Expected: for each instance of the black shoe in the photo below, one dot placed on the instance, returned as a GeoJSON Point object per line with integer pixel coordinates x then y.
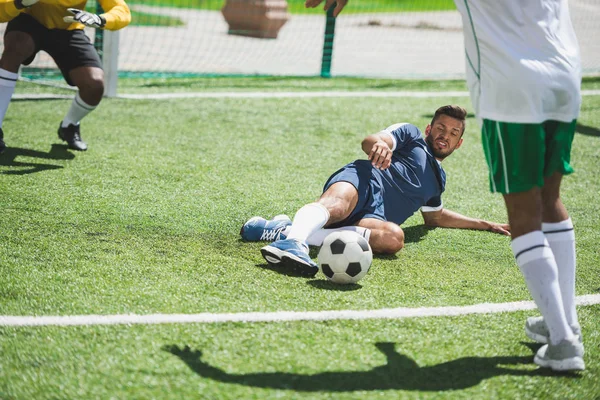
{"type": "Point", "coordinates": [71, 135]}
{"type": "Point", "coordinates": [2, 144]}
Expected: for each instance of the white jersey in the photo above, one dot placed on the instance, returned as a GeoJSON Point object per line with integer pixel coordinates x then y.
{"type": "Point", "coordinates": [522, 60]}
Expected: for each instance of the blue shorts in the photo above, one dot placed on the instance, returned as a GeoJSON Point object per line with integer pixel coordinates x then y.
{"type": "Point", "coordinates": [370, 197]}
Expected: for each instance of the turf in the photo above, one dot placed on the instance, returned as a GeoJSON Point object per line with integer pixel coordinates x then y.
{"type": "Point", "coordinates": [147, 221]}
{"type": "Point", "coordinates": [297, 6]}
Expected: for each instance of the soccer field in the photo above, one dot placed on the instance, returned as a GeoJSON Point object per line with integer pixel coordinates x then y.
{"type": "Point", "coordinates": [147, 222]}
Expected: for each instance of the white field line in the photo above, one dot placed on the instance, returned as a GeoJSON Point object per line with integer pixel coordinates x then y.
{"type": "Point", "coordinates": [279, 316]}
{"type": "Point", "coordinates": [267, 95]}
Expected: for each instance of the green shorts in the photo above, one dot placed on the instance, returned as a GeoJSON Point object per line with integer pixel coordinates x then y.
{"type": "Point", "coordinates": [520, 156]}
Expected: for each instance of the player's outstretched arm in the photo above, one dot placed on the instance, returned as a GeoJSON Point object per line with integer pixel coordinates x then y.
{"type": "Point", "coordinates": [450, 219]}
{"type": "Point", "coordinates": [339, 5]}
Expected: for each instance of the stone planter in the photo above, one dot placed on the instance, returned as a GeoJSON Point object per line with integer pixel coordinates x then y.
{"type": "Point", "coordinates": [255, 18]}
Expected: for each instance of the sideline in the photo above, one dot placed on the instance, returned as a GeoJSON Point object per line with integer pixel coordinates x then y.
{"type": "Point", "coordinates": [280, 316]}
{"type": "Point", "coordinates": [267, 95]}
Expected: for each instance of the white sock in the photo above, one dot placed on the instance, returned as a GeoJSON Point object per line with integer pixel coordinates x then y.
{"type": "Point", "coordinates": [535, 258]}
{"type": "Point", "coordinates": [8, 81]}
{"type": "Point", "coordinates": [77, 111]}
{"type": "Point", "coordinates": [561, 237]}
{"type": "Point", "coordinates": [307, 221]}
{"type": "Point", "coordinates": [317, 238]}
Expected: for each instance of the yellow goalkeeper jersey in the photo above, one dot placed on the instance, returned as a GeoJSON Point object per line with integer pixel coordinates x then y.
{"type": "Point", "coordinates": [50, 13]}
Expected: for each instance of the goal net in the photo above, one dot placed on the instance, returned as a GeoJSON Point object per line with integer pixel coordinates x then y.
{"type": "Point", "coordinates": [413, 39]}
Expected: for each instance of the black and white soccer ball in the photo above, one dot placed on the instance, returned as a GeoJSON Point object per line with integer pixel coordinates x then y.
{"type": "Point", "coordinates": [345, 257]}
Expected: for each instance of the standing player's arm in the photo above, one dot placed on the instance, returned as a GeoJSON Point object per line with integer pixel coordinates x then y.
{"type": "Point", "coordinates": [116, 14]}
{"type": "Point", "coordinates": [449, 219]}
{"type": "Point", "coordinates": [9, 9]}
{"type": "Point", "coordinates": [339, 5]}
{"type": "Point", "coordinates": [379, 148]}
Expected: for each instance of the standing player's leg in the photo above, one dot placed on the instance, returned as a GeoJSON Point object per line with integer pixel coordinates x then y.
{"type": "Point", "coordinates": [536, 260]}
{"type": "Point", "coordinates": [18, 47]}
{"type": "Point", "coordinates": [90, 82]}
{"type": "Point", "coordinates": [558, 229]}
{"type": "Point", "coordinates": [516, 156]}
{"type": "Point", "coordinates": [80, 65]}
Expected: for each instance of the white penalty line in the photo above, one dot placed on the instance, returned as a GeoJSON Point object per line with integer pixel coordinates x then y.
{"type": "Point", "coordinates": [269, 95]}
{"type": "Point", "coordinates": [279, 316]}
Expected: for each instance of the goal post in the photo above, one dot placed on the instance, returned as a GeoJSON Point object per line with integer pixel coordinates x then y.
{"type": "Point", "coordinates": [107, 46]}
{"type": "Point", "coordinates": [110, 62]}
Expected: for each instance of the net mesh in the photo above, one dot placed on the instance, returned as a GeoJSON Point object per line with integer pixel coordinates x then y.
{"type": "Point", "coordinates": [373, 38]}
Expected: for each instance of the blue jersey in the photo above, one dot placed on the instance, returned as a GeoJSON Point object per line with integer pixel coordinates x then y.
{"type": "Point", "coordinates": [415, 179]}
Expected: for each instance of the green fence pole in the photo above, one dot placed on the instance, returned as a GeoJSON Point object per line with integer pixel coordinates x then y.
{"type": "Point", "coordinates": [328, 43]}
{"type": "Point", "coordinates": [99, 34]}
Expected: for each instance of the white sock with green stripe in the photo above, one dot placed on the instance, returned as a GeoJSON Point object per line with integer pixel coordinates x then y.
{"type": "Point", "coordinates": [561, 237]}
{"type": "Point", "coordinates": [78, 110]}
{"type": "Point", "coordinates": [536, 261]}
{"type": "Point", "coordinates": [8, 81]}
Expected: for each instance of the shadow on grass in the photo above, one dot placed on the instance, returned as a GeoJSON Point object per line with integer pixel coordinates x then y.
{"type": "Point", "coordinates": [587, 130]}
{"type": "Point", "coordinates": [9, 159]}
{"type": "Point", "coordinates": [280, 269]}
{"type": "Point", "coordinates": [328, 285]}
{"type": "Point", "coordinates": [399, 373]}
{"type": "Point", "coordinates": [413, 234]}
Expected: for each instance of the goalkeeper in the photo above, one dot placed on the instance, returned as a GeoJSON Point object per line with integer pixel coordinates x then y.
{"type": "Point", "coordinates": [56, 26]}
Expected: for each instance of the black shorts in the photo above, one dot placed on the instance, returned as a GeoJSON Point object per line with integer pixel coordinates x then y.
{"type": "Point", "coordinates": [69, 49]}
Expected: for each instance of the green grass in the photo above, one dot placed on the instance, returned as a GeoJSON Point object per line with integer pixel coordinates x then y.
{"type": "Point", "coordinates": [297, 6]}
{"type": "Point", "coordinates": [147, 221]}
{"type": "Point", "coordinates": [146, 19]}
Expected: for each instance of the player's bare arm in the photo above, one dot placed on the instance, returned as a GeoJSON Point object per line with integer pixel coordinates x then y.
{"type": "Point", "coordinates": [378, 148]}
{"type": "Point", "coordinates": [449, 219]}
{"type": "Point", "coordinates": [340, 4]}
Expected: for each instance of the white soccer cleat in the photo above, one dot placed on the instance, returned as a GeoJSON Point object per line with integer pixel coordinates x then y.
{"type": "Point", "coordinates": [536, 329]}
{"type": "Point", "coordinates": [564, 356]}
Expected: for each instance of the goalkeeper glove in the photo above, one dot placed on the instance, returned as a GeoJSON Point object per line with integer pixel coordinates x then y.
{"type": "Point", "coordinates": [21, 4]}
{"type": "Point", "coordinates": [84, 17]}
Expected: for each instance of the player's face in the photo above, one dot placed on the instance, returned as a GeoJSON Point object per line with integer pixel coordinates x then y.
{"type": "Point", "coordinates": [444, 136]}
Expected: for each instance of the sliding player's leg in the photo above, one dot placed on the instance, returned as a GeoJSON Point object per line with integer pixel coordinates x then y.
{"type": "Point", "coordinates": [385, 237]}
{"type": "Point", "coordinates": [334, 205]}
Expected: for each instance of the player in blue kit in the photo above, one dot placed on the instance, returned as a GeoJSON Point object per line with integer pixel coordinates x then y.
{"type": "Point", "coordinates": [373, 197]}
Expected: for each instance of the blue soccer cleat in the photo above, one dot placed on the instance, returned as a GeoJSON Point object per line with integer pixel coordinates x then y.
{"type": "Point", "coordinates": [292, 254]}
{"type": "Point", "coordinates": [258, 228]}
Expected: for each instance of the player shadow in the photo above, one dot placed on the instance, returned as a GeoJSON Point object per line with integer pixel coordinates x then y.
{"type": "Point", "coordinates": [400, 372]}
{"type": "Point", "coordinates": [416, 233]}
{"type": "Point", "coordinates": [587, 130]}
{"type": "Point", "coordinates": [9, 159]}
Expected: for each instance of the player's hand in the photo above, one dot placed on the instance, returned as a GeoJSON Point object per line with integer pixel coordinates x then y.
{"type": "Point", "coordinates": [380, 155]}
{"type": "Point", "coordinates": [503, 229]}
{"type": "Point", "coordinates": [21, 4]}
{"type": "Point", "coordinates": [328, 3]}
{"type": "Point", "coordinates": [84, 17]}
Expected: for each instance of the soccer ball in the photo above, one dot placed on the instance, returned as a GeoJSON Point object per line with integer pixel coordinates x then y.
{"type": "Point", "coordinates": [345, 257]}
